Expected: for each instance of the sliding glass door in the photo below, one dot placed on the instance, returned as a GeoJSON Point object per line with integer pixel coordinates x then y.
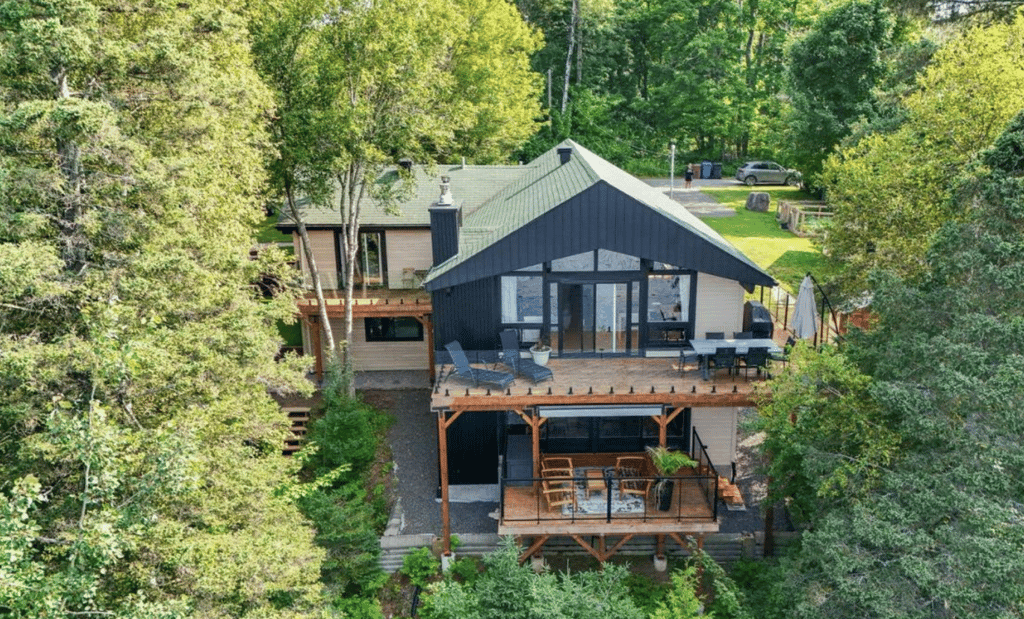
{"type": "Point", "coordinates": [595, 318]}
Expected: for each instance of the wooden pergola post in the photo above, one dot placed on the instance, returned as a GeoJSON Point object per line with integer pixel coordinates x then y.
{"type": "Point", "coordinates": [443, 422]}
{"type": "Point", "coordinates": [318, 346]}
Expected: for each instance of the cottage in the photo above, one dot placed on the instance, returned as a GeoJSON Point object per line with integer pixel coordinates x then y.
{"type": "Point", "coordinates": [617, 278]}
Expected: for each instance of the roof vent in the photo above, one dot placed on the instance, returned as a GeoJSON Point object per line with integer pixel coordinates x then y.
{"type": "Point", "coordinates": [564, 154]}
{"type": "Point", "coordinates": [446, 194]}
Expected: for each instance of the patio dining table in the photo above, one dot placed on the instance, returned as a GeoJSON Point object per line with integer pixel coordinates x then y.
{"type": "Point", "coordinates": [707, 348]}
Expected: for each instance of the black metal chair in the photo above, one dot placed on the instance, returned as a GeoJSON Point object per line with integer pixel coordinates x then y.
{"type": "Point", "coordinates": [477, 375]}
{"type": "Point", "coordinates": [783, 357]}
{"type": "Point", "coordinates": [687, 355]}
{"type": "Point", "coordinates": [714, 335]}
{"type": "Point", "coordinates": [521, 367]}
{"type": "Point", "coordinates": [724, 358]}
{"type": "Point", "coordinates": [756, 359]}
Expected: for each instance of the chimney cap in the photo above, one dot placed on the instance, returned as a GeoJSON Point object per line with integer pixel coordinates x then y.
{"type": "Point", "coordinates": [564, 153]}
{"type": "Point", "coordinates": [446, 194]}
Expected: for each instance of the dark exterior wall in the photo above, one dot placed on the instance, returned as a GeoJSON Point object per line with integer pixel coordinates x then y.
{"type": "Point", "coordinates": [471, 314]}
{"type": "Point", "coordinates": [602, 218]}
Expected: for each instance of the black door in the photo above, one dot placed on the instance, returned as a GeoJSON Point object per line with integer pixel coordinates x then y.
{"type": "Point", "coordinates": [473, 449]}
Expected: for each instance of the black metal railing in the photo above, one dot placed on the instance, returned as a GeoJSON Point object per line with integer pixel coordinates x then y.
{"type": "Point", "coordinates": [604, 500]}
{"type": "Point", "coordinates": [707, 475]}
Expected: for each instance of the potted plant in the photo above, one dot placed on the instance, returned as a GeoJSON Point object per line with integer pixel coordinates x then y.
{"type": "Point", "coordinates": [667, 463]}
{"type": "Point", "coordinates": [541, 351]}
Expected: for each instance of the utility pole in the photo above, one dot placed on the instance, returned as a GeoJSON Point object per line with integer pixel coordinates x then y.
{"type": "Point", "coordinates": [672, 170]}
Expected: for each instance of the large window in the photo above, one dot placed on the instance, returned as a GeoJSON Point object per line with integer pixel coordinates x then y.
{"type": "Point", "coordinates": [522, 303]}
{"type": "Point", "coordinates": [394, 330]}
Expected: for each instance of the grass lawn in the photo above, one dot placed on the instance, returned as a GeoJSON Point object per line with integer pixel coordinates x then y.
{"type": "Point", "coordinates": [784, 255]}
{"type": "Point", "coordinates": [267, 233]}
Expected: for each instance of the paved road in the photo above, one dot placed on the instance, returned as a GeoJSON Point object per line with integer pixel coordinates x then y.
{"type": "Point", "coordinates": [700, 204]}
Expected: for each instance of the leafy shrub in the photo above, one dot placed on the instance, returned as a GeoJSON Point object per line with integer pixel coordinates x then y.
{"type": "Point", "coordinates": [346, 434]}
{"type": "Point", "coordinates": [465, 570]}
{"type": "Point", "coordinates": [420, 566]}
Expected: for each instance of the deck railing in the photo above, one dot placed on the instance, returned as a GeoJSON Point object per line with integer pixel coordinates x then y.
{"type": "Point", "coordinates": [693, 498]}
{"type": "Point", "coordinates": [707, 476]}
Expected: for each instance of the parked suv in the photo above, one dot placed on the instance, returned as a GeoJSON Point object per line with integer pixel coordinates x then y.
{"type": "Point", "coordinates": [754, 172]}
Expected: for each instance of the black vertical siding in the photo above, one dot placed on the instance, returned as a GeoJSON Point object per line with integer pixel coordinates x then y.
{"type": "Point", "coordinates": [469, 314]}
{"type": "Point", "coordinates": [603, 217]}
{"type": "Point", "coordinates": [444, 232]}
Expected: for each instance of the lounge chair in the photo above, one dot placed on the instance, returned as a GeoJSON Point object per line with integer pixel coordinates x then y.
{"type": "Point", "coordinates": [520, 366]}
{"type": "Point", "coordinates": [477, 375]}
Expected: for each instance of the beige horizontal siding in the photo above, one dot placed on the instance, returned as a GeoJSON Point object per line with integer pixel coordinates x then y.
{"type": "Point", "coordinates": [370, 356]}
{"type": "Point", "coordinates": [719, 305]}
{"type": "Point", "coordinates": [407, 249]}
{"type": "Point", "coordinates": [717, 428]}
{"type": "Point", "coordinates": [322, 242]}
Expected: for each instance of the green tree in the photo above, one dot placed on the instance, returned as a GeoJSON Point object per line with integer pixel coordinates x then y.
{"type": "Point", "coordinates": [139, 448]}
{"type": "Point", "coordinates": [891, 189]}
{"type": "Point", "coordinates": [833, 71]}
{"type": "Point", "coordinates": [938, 533]}
{"type": "Point", "coordinates": [508, 589]}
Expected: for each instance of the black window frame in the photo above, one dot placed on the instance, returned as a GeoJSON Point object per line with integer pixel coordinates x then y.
{"type": "Point", "coordinates": [372, 335]}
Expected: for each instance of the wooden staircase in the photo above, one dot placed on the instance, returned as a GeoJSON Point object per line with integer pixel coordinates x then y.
{"type": "Point", "coordinates": [299, 418]}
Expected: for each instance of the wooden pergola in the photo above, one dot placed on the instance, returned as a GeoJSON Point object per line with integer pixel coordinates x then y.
{"type": "Point", "coordinates": [527, 408]}
{"type": "Point", "coordinates": [385, 307]}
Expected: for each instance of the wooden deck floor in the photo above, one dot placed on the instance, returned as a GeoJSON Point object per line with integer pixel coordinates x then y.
{"type": "Point", "coordinates": [524, 513]}
{"type": "Point", "coordinates": [603, 380]}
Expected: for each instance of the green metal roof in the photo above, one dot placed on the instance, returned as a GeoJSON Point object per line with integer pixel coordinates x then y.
{"type": "Point", "coordinates": [471, 186]}
{"type": "Point", "coordinates": [547, 184]}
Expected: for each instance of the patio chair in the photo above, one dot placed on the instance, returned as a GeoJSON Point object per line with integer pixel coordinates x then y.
{"type": "Point", "coordinates": [687, 355]}
{"type": "Point", "coordinates": [627, 471]}
{"type": "Point", "coordinates": [724, 358]}
{"type": "Point", "coordinates": [783, 357]}
{"type": "Point", "coordinates": [562, 463]}
{"type": "Point", "coordinates": [520, 366]}
{"type": "Point", "coordinates": [714, 335]}
{"type": "Point", "coordinates": [477, 375]}
{"type": "Point", "coordinates": [756, 358]}
{"type": "Point", "coordinates": [557, 496]}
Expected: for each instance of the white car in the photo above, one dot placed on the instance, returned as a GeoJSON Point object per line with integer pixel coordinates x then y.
{"type": "Point", "coordinates": [754, 172]}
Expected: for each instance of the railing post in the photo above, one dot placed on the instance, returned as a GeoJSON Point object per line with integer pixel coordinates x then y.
{"type": "Point", "coordinates": [607, 497]}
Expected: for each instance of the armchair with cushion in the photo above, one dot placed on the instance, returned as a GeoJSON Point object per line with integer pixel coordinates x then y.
{"type": "Point", "coordinates": [628, 470]}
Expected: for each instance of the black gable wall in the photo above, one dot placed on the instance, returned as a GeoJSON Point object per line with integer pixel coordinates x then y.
{"type": "Point", "coordinates": [469, 314]}
{"type": "Point", "coordinates": [605, 218]}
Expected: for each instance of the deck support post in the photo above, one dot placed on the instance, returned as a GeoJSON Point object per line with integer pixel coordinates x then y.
{"type": "Point", "coordinates": [535, 545]}
{"type": "Point", "coordinates": [659, 547]}
{"type": "Point", "coordinates": [535, 440]}
{"type": "Point", "coordinates": [442, 454]}
{"type": "Point", "coordinates": [318, 346]}
{"type": "Point", "coordinates": [429, 326]}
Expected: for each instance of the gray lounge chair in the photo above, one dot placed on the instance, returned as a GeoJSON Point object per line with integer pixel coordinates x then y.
{"type": "Point", "coordinates": [477, 375]}
{"type": "Point", "coordinates": [520, 366]}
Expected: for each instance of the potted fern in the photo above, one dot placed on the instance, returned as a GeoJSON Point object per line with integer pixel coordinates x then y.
{"type": "Point", "coordinates": [667, 463]}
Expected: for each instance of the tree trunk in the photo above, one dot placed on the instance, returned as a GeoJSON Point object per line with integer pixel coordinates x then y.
{"type": "Point", "coordinates": [568, 54]}
{"type": "Point", "coordinates": [307, 251]}
{"type": "Point", "coordinates": [351, 196]}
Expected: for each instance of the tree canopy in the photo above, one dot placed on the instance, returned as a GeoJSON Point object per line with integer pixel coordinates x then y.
{"type": "Point", "coordinates": [937, 532]}
{"type": "Point", "coordinates": [891, 189]}
{"type": "Point", "coordinates": [138, 444]}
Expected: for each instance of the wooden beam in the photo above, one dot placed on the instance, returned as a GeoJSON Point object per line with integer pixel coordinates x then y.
{"type": "Point", "coordinates": [452, 419]}
{"type": "Point", "coordinates": [535, 444]}
{"type": "Point", "coordinates": [594, 553]}
{"type": "Point", "coordinates": [318, 348]}
{"type": "Point", "coordinates": [685, 545]}
{"type": "Point", "coordinates": [534, 547]}
{"type": "Point", "coordinates": [442, 451]}
{"type": "Point", "coordinates": [498, 401]}
{"type": "Point", "coordinates": [429, 326]}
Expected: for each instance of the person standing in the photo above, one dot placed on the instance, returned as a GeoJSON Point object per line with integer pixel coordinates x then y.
{"type": "Point", "coordinates": [689, 176]}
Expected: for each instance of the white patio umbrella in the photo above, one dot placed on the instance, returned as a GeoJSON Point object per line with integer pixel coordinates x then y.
{"type": "Point", "coordinates": [805, 316]}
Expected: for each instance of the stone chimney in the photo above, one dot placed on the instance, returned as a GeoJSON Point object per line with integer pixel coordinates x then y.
{"type": "Point", "coordinates": [445, 220]}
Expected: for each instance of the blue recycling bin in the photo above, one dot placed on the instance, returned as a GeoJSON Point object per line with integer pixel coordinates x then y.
{"type": "Point", "coordinates": [705, 169]}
